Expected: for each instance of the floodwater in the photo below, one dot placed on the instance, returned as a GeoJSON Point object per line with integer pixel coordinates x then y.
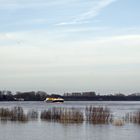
{"type": "Point", "coordinates": [43, 130]}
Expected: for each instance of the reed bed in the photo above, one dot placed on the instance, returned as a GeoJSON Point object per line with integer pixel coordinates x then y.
{"type": "Point", "coordinates": [5, 113]}
{"type": "Point", "coordinates": [134, 117]}
{"type": "Point", "coordinates": [14, 114]}
{"type": "Point", "coordinates": [17, 114]}
{"type": "Point", "coordinates": [98, 115]}
{"type": "Point", "coordinates": [91, 114]}
{"type": "Point", "coordinates": [51, 114]}
{"type": "Point", "coordinates": [95, 115]}
{"type": "Point", "coordinates": [72, 115]}
{"type": "Point", "coordinates": [64, 115]}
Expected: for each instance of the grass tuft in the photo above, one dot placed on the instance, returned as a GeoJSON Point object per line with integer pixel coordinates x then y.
{"type": "Point", "coordinates": [66, 115]}
{"type": "Point", "coordinates": [98, 115]}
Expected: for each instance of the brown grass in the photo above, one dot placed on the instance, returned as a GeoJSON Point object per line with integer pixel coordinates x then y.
{"type": "Point", "coordinates": [66, 115]}
{"type": "Point", "coordinates": [98, 115]}
{"type": "Point", "coordinates": [118, 122]}
{"type": "Point", "coordinates": [134, 117]}
{"type": "Point", "coordinates": [94, 115]}
{"type": "Point", "coordinates": [14, 114]}
{"type": "Point", "coordinates": [72, 115]}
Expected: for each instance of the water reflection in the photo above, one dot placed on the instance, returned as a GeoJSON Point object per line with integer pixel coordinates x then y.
{"type": "Point", "coordinates": [58, 131]}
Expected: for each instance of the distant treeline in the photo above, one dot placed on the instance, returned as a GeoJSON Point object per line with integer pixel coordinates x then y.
{"type": "Point", "coordinates": [75, 96]}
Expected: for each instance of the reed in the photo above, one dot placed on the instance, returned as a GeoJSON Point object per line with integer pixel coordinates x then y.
{"type": "Point", "coordinates": [72, 116]}
{"type": "Point", "coordinates": [17, 114]}
{"type": "Point", "coordinates": [32, 115]}
{"type": "Point", "coordinates": [64, 115]}
{"type": "Point", "coordinates": [135, 117]}
{"type": "Point", "coordinates": [5, 113]}
{"type": "Point", "coordinates": [98, 115]}
{"type": "Point", "coordinates": [128, 117]}
{"type": "Point", "coordinates": [94, 115]}
{"type": "Point", "coordinates": [50, 114]}
{"type": "Point", "coordinates": [118, 122]}
{"type": "Point", "coordinates": [14, 114]}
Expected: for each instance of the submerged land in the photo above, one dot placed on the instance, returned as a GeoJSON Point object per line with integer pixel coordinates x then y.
{"type": "Point", "coordinates": [75, 96]}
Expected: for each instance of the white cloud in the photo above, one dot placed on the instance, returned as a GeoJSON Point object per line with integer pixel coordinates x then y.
{"type": "Point", "coordinates": [95, 10]}
{"type": "Point", "coordinates": [61, 64]}
{"type": "Point", "coordinates": [90, 13]}
{"type": "Point", "coordinates": [107, 50]}
{"type": "Point", "coordinates": [5, 36]}
{"type": "Point", "coordinates": [71, 23]}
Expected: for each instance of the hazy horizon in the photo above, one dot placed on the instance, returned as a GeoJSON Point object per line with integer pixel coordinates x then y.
{"type": "Point", "coordinates": [62, 46]}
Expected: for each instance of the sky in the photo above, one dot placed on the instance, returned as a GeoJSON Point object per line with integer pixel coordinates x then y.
{"type": "Point", "coordinates": [62, 46]}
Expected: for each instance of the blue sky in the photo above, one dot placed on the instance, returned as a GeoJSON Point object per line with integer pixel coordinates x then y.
{"type": "Point", "coordinates": [70, 45]}
{"type": "Point", "coordinates": [25, 15]}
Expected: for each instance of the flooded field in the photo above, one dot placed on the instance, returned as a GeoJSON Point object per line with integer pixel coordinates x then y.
{"type": "Point", "coordinates": [53, 130]}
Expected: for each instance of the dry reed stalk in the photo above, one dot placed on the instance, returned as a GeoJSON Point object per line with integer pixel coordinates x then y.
{"type": "Point", "coordinates": [98, 115]}
{"type": "Point", "coordinates": [118, 122]}
{"type": "Point", "coordinates": [14, 114]}
{"type": "Point", "coordinates": [66, 115]}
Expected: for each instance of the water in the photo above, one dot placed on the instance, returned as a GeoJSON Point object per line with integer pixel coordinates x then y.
{"type": "Point", "coordinates": [42, 130]}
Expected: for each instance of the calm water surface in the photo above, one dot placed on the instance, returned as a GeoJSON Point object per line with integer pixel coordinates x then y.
{"type": "Point", "coordinates": [41, 130]}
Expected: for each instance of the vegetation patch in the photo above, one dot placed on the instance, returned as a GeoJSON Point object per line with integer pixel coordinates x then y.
{"type": "Point", "coordinates": [65, 115]}
{"type": "Point", "coordinates": [14, 114]}
{"type": "Point", "coordinates": [98, 115]}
